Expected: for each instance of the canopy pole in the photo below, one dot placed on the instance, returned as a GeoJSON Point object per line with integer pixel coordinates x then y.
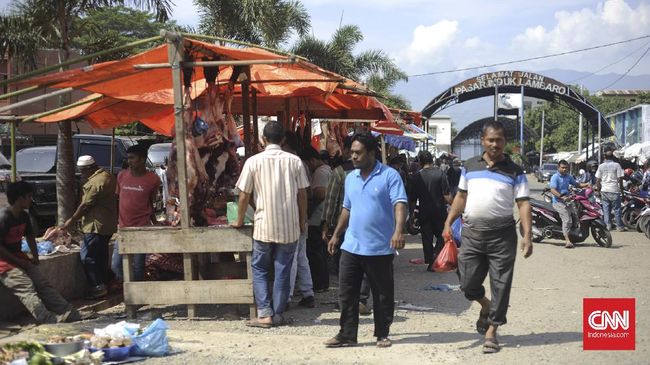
{"type": "Point", "coordinates": [580, 129]}
{"type": "Point", "coordinates": [256, 135]}
{"type": "Point", "coordinates": [226, 40]}
{"type": "Point", "coordinates": [600, 140]}
{"type": "Point", "coordinates": [541, 147]}
{"type": "Point", "coordinates": [587, 138]}
{"type": "Point", "coordinates": [521, 130]}
{"type": "Point", "coordinates": [151, 66]}
{"type": "Point", "coordinates": [112, 151]}
{"type": "Point", "coordinates": [13, 151]}
{"type": "Point", "coordinates": [36, 99]}
{"type": "Point", "coordinates": [384, 159]}
{"type": "Point", "coordinates": [56, 67]}
{"type": "Point", "coordinates": [496, 103]}
{"type": "Point", "coordinates": [246, 113]}
{"type": "Point", "coordinates": [593, 142]}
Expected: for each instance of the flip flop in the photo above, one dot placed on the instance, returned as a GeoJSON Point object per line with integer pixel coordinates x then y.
{"type": "Point", "coordinates": [569, 245]}
{"type": "Point", "coordinates": [491, 346]}
{"type": "Point", "coordinates": [482, 324]}
{"type": "Point", "coordinates": [257, 324]}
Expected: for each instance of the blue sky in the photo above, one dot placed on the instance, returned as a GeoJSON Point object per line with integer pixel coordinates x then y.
{"type": "Point", "coordinates": [433, 35]}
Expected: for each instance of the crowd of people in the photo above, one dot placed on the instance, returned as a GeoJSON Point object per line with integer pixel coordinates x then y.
{"type": "Point", "coordinates": [316, 216]}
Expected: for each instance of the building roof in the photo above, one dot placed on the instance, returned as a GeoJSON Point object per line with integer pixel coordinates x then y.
{"type": "Point", "coordinates": [626, 110]}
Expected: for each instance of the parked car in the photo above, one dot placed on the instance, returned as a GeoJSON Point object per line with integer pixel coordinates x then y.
{"type": "Point", "coordinates": [37, 165]}
{"type": "Point", "coordinates": [545, 173]}
{"type": "Point", "coordinates": [5, 173]}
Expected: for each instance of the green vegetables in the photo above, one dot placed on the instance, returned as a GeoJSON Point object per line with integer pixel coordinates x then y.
{"type": "Point", "coordinates": [20, 350]}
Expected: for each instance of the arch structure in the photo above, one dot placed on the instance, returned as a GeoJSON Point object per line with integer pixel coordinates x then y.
{"type": "Point", "coordinates": [516, 82]}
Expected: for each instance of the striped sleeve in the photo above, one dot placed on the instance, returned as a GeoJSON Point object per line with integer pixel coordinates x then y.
{"type": "Point", "coordinates": [245, 182]}
{"type": "Point", "coordinates": [521, 188]}
{"type": "Point", "coordinates": [462, 183]}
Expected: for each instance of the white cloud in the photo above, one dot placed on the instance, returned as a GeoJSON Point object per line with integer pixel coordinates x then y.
{"type": "Point", "coordinates": [430, 42]}
{"type": "Point", "coordinates": [473, 42]}
{"type": "Point", "coordinates": [611, 21]}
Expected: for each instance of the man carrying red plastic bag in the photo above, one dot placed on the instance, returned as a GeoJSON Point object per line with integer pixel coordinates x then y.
{"type": "Point", "coordinates": [489, 186]}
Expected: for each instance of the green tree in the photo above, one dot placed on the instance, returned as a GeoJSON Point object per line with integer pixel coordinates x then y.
{"type": "Point", "coordinates": [265, 22]}
{"type": "Point", "coordinates": [372, 67]}
{"type": "Point", "coordinates": [36, 24]}
{"type": "Point", "coordinates": [111, 27]}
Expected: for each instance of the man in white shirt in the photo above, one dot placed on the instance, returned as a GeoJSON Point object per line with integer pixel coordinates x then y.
{"type": "Point", "coordinates": [277, 177]}
{"type": "Point", "coordinates": [609, 181]}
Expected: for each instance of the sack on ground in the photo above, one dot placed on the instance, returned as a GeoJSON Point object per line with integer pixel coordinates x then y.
{"type": "Point", "coordinates": [447, 259]}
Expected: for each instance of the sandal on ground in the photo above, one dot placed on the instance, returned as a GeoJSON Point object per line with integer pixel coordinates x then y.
{"type": "Point", "coordinates": [482, 324]}
{"type": "Point", "coordinates": [569, 245]}
{"type": "Point", "coordinates": [279, 320]}
{"type": "Point", "coordinates": [339, 342]}
{"type": "Point", "coordinates": [257, 324]}
{"type": "Point", "coordinates": [383, 342]}
{"type": "Point", "coordinates": [491, 346]}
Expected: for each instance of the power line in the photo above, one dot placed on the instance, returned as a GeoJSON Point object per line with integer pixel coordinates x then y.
{"type": "Point", "coordinates": [628, 70]}
{"type": "Point", "coordinates": [531, 58]}
{"type": "Point", "coordinates": [609, 65]}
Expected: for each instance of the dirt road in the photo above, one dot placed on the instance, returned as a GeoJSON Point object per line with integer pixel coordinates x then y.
{"type": "Point", "coordinates": [545, 317]}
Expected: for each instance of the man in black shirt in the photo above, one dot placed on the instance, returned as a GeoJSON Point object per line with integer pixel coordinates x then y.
{"type": "Point", "coordinates": [19, 273]}
{"type": "Point", "coordinates": [453, 176]}
{"type": "Point", "coordinates": [431, 188]}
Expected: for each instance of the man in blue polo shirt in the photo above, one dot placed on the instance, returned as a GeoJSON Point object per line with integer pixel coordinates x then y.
{"type": "Point", "coordinates": [374, 214]}
{"type": "Point", "coordinates": [559, 185]}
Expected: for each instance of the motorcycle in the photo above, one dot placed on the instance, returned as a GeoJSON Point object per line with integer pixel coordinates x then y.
{"type": "Point", "coordinates": [643, 223]}
{"type": "Point", "coordinates": [547, 222]}
{"type": "Point", "coordinates": [546, 194]}
{"type": "Point", "coordinates": [632, 208]}
{"type": "Point", "coordinates": [413, 223]}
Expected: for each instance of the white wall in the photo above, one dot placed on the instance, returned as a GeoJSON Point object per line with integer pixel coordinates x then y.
{"type": "Point", "coordinates": [440, 128]}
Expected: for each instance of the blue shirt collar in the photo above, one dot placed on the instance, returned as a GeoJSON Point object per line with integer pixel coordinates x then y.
{"type": "Point", "coordinates": [376, 171]}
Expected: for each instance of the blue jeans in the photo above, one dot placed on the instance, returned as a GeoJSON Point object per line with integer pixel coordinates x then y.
{"type": "Point", "coordinates": [300, 269]}
{"type": "Point", "coordinates": [609, 200]}
{"type": "Point", "coordinates": [267, 256]}
{"type": "Point", "coordinates": [138, 265]}
{"type": "Point", "coordinates": [94, 258]}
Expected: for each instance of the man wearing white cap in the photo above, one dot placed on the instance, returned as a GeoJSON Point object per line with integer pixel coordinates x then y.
{"type": "Point", "coordinates": [98, 214]}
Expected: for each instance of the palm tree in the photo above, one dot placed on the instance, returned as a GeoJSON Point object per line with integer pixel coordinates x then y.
{"type": "Point", "coordinates": [36, 24]}
{"type": "Point", "coordinates": [266, 22]}
{"type": "Point", "coordinates": [372, 67]}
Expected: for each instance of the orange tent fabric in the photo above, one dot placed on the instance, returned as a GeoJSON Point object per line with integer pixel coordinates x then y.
{"type": "Point", "coordinates": [146, 95]}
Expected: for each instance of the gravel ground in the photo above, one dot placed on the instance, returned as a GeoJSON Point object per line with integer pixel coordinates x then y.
{"type": "Point", "coordinates": [545, 316]}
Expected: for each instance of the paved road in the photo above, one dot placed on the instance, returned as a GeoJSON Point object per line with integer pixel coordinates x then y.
{"type": "Point", "coordinates": [545, 316]}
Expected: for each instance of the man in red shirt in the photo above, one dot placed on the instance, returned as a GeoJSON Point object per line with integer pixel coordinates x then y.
{"type": "Point", "coordinates": [137, 189]}
{"type": "Point", "coordinates": [19, 273]}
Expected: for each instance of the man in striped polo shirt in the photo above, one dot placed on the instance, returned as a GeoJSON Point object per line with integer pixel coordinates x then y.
{"type": "Point", "coordinates": [489, 185]}
{"type": "Point", "coordinates": [280, 182]}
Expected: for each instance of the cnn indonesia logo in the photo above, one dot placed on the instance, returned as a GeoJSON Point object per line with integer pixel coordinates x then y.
{"type": "Point", "coordinates": [609, 323]}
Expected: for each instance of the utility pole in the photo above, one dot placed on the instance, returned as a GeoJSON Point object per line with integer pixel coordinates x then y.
{"type": "Point", "coordinates": [580, 129]}
{"type": "Point", "coordinates": [541, 146]}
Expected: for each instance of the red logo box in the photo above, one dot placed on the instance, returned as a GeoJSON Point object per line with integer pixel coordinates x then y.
{"type": "Point", "coordinates": [608, 323]}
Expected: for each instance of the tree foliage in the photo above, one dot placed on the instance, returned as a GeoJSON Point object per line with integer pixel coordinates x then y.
{"type": "Point", "coordinates": [266, 22]}
{"type": "Point", "coordinates": [373, 67]}
{"type": "Point", "coordinates": [561, 127]}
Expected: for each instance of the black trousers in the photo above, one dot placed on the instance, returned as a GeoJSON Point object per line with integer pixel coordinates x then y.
{"type": "Point", "coordinates": [364, 294]}
{"type": "Point", "coordinates": [430, 227]}
{"type": "Point", "coordinates": [317, 256]}
{"type": "Point", "coordinates": [493, 252]}
{"type": "Point", "coordinates": [94, 257]}
{"type": "Point", "coordinates": [379, 270]}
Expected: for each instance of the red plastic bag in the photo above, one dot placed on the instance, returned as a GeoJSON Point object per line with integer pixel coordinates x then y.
{"type": "Point", "coordinates": [447, 260]}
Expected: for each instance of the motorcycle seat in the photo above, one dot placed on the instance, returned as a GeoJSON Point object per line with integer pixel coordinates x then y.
{"type": "Point", "coordinates": [541, 204]}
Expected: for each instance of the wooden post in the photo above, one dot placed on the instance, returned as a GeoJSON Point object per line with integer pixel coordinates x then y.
{"type": "Point", "coordinates": [13, 151]}
{"type": "Point", "coordinates": [127, 267]}
{"type": "Point", "coordinates": [249, 273]}
{"type": "Point", "coordinates": [175, 54]}
{"type": "Point", "coordinates": [112, 151]}
{"type": "Point", "coordinates": [256, 133]}
{"type": "Point", "coordinates": [383, 150]}
{"type": "Point", "coordinates": [246, 115]}
{"type": "Point", "coordinates": [287, 113]}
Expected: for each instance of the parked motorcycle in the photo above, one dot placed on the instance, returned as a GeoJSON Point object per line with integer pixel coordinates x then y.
{"type": "Point", "coordinates": [547, 222]}
{"type": "Point", "coordinates": [643, 222]}
{"type": "Point", "coordinates": [547, 195]}
{"type": "Point", "coordinates": [632, 207]}
{"type": "Point", "coordinates": [413, 223]}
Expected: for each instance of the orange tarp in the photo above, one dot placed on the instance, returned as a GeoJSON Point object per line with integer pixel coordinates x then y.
{"type": "Point", "coordinates": [146, 95]}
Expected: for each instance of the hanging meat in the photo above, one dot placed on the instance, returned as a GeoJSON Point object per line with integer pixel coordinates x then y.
{"type": "Point", "coordinates": [212, 162]}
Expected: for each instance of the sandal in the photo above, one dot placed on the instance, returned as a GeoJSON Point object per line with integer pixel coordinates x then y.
{"type": "Point", "coordinates": [482, 324]}
{"type": "Point", "coordinates": [491, 346]}
{"type": "Point", "coordinates": [339, 342]}
{"type": "Point", "coordinates": [257, 324]}
{"type": "Point", "coordinates": [383, 342]}
{"type": "Point", "coordinates": [569, 245]}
